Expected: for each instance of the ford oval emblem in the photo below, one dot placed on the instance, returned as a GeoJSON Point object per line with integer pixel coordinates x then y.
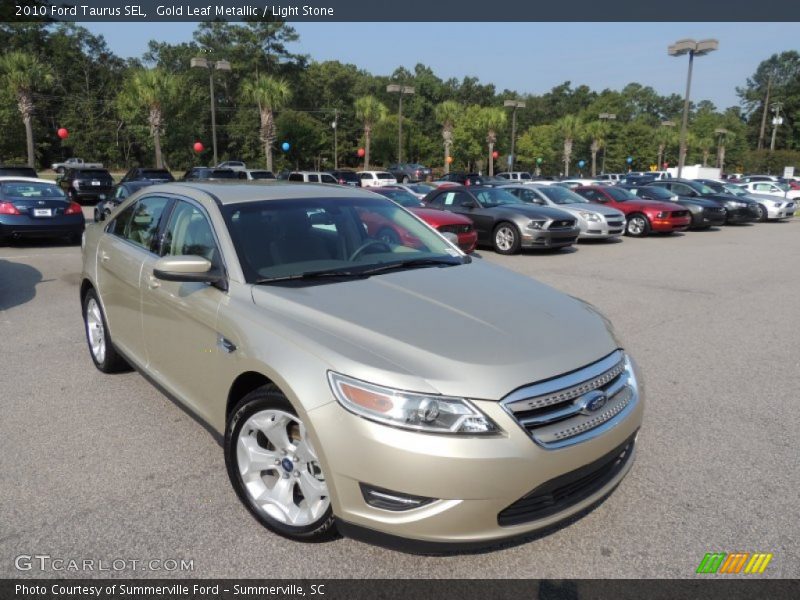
{"type": "Point", "coordinates": [592, 402]}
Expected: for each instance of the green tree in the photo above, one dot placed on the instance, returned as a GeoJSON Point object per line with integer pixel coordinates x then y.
{"type": "Point", "coordinates": [596, 131]}
{"type": "Point", "coordinates": [153, 90]}
{"type": "Point", "coordinates": [571, 128]}
{"type": "Point", "coordinates": [447, 113]}
{"type": "Point", "coordinates": [23, 74]}
{"type": "Point", "coordinates": [664, 136]}
{"type": "Point", "coordinates": [370, 111]}
{"type": "Point", "coordinates": [269, 95]}
{"type": "Point", "coordinates": [491, 119]}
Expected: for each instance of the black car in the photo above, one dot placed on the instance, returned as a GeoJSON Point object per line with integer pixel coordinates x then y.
{"type": "Point", "coordinates": [408, 172]}
{"type": "Point", "coordinates": [346, 177]}
{"type": "Point", "coordinates": [91, 185]}
{"type": "Point", "coordinates": [38, 209]}
{"type": "Point", "coordinates": [505, 222]}
{"type": "Point", "coordinates": [738, 210]}
{"type": "Point", "coordinates": [18, 171]}
{"type": "Point", "coordinates": [121, 192]}
{"type": "Point", "coordinates": [639, 180]}
{"type": "Point", "coordinates": [207, 173]}
{"type": "Point", "coordinates": [462, 178]}
{"type": "Point", "coordinates": [148, 174]}
{"type": "Point", "coordinates": [705, 213]}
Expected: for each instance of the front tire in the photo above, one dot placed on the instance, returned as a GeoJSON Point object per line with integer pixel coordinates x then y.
{"type": "Point", "coordinates": [101, 349]}
{"type": "Point", "coordinates": [274, 468]}
{"type": "Point", "coordinates": [506, 239]}
{"type": "Point", "coordinates": [762, 213]}
{"type": "Point", "coordinates": [637, 225]}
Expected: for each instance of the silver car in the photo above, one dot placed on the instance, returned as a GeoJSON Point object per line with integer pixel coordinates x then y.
{"type": "Point", "coordinates": [597, 222]}
{"type": "Point", "coordinates": [402, 393]}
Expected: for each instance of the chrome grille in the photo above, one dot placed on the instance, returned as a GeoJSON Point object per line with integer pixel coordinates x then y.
{"type": "Point", "coordinates": [574, 407]}
{"type": "Point", "coordinates": [562, 224]}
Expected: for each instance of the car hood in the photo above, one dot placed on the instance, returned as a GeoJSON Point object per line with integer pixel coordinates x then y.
{"type": "Point", "coordinates": [475, 330]}
{"type": "Point", "coordinates": [533, 211]}
{"type": "Point", "coordinates": [439, 217]}
{"type": "Point", "coordinates": [705, 202]}
{"type": "Point", "coordinates": [600, 209]}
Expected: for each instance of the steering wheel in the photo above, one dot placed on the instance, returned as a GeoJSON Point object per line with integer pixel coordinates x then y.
{"type": "Point", "coordinates": [369, 243]}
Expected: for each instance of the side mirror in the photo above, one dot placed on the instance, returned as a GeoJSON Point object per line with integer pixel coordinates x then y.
{"type": "Point", "coordinates": [188, 269]}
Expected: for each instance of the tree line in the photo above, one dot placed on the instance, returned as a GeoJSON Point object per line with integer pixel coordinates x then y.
{"type": "Point", "coordinates": [151, 110]}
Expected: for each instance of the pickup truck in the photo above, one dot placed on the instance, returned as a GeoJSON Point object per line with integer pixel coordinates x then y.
{"type": "Point", "coordinates": [74, 163]}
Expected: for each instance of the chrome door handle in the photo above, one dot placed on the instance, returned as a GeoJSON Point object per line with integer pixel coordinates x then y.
{"type": "Point", "coordinates": [153, 283]}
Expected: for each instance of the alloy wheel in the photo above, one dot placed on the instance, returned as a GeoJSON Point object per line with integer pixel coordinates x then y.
{"type": "Point", "coordinates": [636, 226]}
{"type": "Point", "coordinates": [95, 330]}
{"type": "Point", "coordinates": [504, 238]}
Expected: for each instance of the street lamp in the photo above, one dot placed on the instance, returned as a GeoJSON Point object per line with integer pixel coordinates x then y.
{"type": "Point", "coordinates": [604, 116]}
{"type": "Point", "coordinates": [393, 88]}
{"type": "Point", "coordinates": [721, 132]}
{"type": "Point", "coordinates": [515, 104]}
{"type": "Point", "coordinates": [335, 125]}
{"type": "Point", "coordinates": [692, 48]}
{"type": "Point", "coordinates": [201, 62]}
{"type": "Point", "coordinates": [776, 120]}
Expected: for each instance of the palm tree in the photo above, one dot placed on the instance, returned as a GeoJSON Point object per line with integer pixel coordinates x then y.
{"type": "Point", "coordinates": [154, 90]}
{"type": "Point", "coordinates": [22, 74]}
{"type": "Point", "coordinates": [705, 144]}
{"type": "Point", "coordinates": [446, 114]}
{"type": "Point", "coordinates": [597, 132]}
{"type": "Point", "coordinates": [570, 127]}
{"type": "Point", "coordinates": [664, 136]}
{"type": "Point", "coordinates": [270, 95]}
{"type": "Point", "coordinates": [491, 119]}
{"type": "Point", "coordinates": [369, 110]}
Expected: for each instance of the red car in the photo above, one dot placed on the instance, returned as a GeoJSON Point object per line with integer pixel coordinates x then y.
{"type": "Point", "coordinates": [642, 216]}
{"type": "Point", "coordinates": [442, 221]}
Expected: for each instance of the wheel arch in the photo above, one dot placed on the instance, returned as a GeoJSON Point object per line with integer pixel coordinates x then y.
{"type": "Point", "coordinates": [244, 384]}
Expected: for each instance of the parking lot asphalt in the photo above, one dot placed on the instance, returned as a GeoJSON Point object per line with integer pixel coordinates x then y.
{"type": "Point", "coordinates": [105, 467]}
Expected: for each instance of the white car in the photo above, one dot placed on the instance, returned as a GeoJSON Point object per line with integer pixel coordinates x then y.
{"type": "Point", "coordinates": [312, 177]}
{"type": "Point", "coordinates": [769, 207]}
{"type": "Point", "coordinates": [610, 178]}
{"type": "Point", "coordinates": [771, 188]}
{"type": "Point", "coordinates": [516, 176]}
{"type": "Point", "coordinates": [256, 174]}
{"type": "Point", "coordinates": [234, 165]}
{"type": "Point", "coordinates": [376, 178]}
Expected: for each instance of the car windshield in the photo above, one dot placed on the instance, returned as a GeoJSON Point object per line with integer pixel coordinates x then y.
{"type": "Point", "coordinates": [330, 239]}
{"type": "Point", "coordinates": [657, 192]}
{"type": "Point", "coordinates": [496, 197]}
{"type": "Point", "coordinates": [700, 187]}
{"type": "Point", "coordinates": [156, 174]}
{"type": "Point", "coordinates": [384, 175]}
{"type": "Point", "coordinates": [20, 189]}
{"type": "Point", "coordinates": [561, 195]}
{"type": "Point", "coordinates": [421, 188]}
{"type": "Point", "coordinates": [223, 174]}
{"type": "Point", "coordinates": [619, 194]}
{"type": "Point", "coordinates": [96, 173]}
{"type": "Point", "coordinates": [734, 190]}
{"type": "Point", "coordinates": [784, 186]}
{"type": "Point", "coordinates": [402, 197]}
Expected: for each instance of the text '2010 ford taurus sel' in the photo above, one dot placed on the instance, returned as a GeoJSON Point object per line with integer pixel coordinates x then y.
{"type": "Point", "coordinates": [402, 393]}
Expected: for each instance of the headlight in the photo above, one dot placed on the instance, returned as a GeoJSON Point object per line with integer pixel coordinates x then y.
{"type": "Point", "coordinates": [409, 410]}
{"type": "Point", "coordinates": [737, 204]}
{"type": "Point", "coordinates": [777, 203]}
{"type": "Point", "coordinates": [536, 224]}
{"type": "Point", "coordinates": [590, 216]}
{"type": "Point", "coordinates": [662, 215]}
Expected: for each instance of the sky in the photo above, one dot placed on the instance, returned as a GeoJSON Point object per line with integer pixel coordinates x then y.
{"type": "Point", "coordinates": [526, 57]}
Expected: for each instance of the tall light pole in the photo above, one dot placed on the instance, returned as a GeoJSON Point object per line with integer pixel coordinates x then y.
{"type": "Point", "coordinates": [721, 132]}
{"type": "Point", "coordinates": [692, 48]}
{"type": "Point", "coordinates": [515, 104]}
{"type": "Point", "coordinates": [201, 62]}
{"type": "Point", "coordinates": [394, 88]}
{"type": "Point", "coordinates": [335, 125]}
{"type": "Point", "coordinates": [776, 120]}
{"type": "Point", "coordinates": [604, 116]}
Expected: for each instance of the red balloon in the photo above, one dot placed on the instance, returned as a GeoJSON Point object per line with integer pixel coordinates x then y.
{"type": "Point", "coordinates": [495, 154]}
{"type": "Point", "coordinates": [198, 147]}
{"type": "Point", "coordinates": [361, 153]}
{"type": "Point", "coordinates": [63, 133]}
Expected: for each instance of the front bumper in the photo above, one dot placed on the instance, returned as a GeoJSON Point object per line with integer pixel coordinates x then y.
{"type": "Point", "coordinates": [475, 481]}
{"type": "Point", "coordinates": [785, 211]}
{"type": "Point", "coordinates": [91, 194]}
{"type": "Point", "coordinates": [17, 226]}
{"type": "Point", "coordinates": [594, 230]}
{"type": "Point", "coordinates": [705, 218]}
{"type": "Point", "coordinates": [535, 238]}
{"type": "Point", "coordinates": [741, 215]}
{"type": "Point", "coordinates": [468, 241]}
{"type": "Point", "coordinates": [671, 224]}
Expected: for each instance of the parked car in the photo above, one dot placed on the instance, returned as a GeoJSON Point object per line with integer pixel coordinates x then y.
{"type": "Point", "coordinates": [408, 172]}
{"type": "Point", "coordinates": [641, 216]}
{"type": "Point", "coordinates": [704, 213]}
{"type": "Point", "coordinates": [518, 176]}
{"type": "Point", "coordinates": [505, 222]}
{"type": "Point", "coordinates": [147, 174]}
{"type": "Point", "coordinates": [31, 207]}
{"type": "Point", "coordinates": [610, 178]}
{"type": "Point", "coordinates": [638, 180]}
{"type": "Point", "coordinates": [209, 174]}
{"type": "Point", "coordinates": [419, 189]}
{"type": "Point", "coordinates": [770, 207]}
{"type": "Point", "coordinates": [346, 177]}
{"type": "Point", "coordinates": [311, 177]}
{"type": "Point", "coordinates": [771, 188]}
{"type": "Point", "coordinates": [376, 178]}
{"type": "Point", "coordinates": [83, 185]}
{"type": "Point", "coordinates": [595, 220]}
{"type": "Point", "coordinates": [74, 163]}
{"type": "Point", "coordinates": [236, 165]}
{"type": "Point", "coordinates": [443, 221]}
{"type": "Point", "coordinates": [256, 174]}
{"type": "Point", "coordinates": [737, 210]}
{"type": "Point", "coordinates": [460, 178]}
{"type": "Point", "coordinates": [122, 191]}
{"type": "Point", "coordinates": [410, 394]}
{"type": "Point", "coordinates": [754, 178]}
{"type": "Point", "coordinates": [573, 183]}
{"type": "Point", "coordinates": [18, 171]}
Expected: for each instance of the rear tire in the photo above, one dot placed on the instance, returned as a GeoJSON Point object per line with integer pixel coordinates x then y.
{"type": "Point", "coordinates": [101, 349]}
{"type": "Point", "coordinates": [264, 432]}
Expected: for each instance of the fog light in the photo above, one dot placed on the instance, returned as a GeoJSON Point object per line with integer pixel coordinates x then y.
{"type": "Point", "coordinates": [389, 500]}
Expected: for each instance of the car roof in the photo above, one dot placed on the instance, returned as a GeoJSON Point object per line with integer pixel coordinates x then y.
{"type": "Point", "coordinates": [237, 191]}
{"type": "Point", "coordinates": [26, 179]}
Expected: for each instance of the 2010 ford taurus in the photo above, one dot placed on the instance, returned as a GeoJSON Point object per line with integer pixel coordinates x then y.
{"type": "Point", "coordinates": [403, 393]}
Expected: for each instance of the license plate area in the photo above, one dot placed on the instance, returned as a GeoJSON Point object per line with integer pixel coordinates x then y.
{"type": "Point", "coordinates": [42, 212]}
{"type": "Point", "coordinates": [95, 183]}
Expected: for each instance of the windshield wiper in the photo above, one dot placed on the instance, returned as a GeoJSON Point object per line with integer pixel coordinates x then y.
{"type": "Point", "coordinates": [332, 273]}
{"type": "Point", "coordinates": [413, 264]}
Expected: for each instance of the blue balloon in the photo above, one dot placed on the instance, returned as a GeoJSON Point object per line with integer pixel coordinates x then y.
{"type": "Point", "coordinates": [629, 160]}
{"type": "Point", "coordinates": [285, 146]}
{"type": "Point", "coordinates": [581, 163]}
